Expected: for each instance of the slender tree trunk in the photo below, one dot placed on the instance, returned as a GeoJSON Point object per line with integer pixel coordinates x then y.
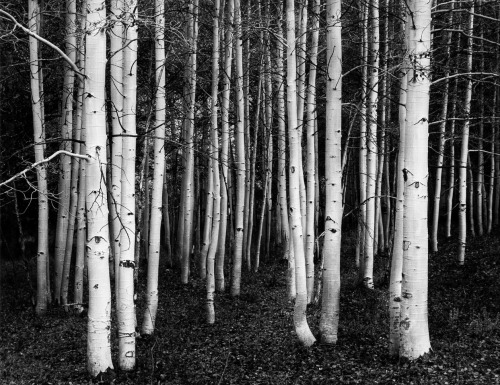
{"type": "Point", "coordinates": [214, 156]}
{"type": "Point", "coordinates": [188, 181]}
{"type": "Point", "coordinates": [330, 308]}
{"type": "Point", "coordinates": [414, 329]}
{"type": "Point", "coordinates": [65, 160]}
{"type": "Point", "coordinates": [462, 174]}
{"type": "Point", "coordinates": [240, 157]}
{"type": "Point", "coordinates": [125, 301]}
{"type": "Point", "coordinates": [116, 93]}
{"type": "Point", "coordinates": [480, 155]}
{"type": "Point", "coordinates": [311, 164]}
{"type": "Point", "coordinates": [98, 242]}
{"type": "Point", "coordinates": [397, 250]}
{"type": "Point", "coordinates": [442, 131]}
{"type": "Point", "coordinates": [42, 253]}
{"type": "Point", "coordinates": [282, 181]}
{"type": "Point", "coordinates": [451, 176]}
{"type": "Point", "coordinates": [363, 143]}
{"type": "Point", "coordinates": [149, 318]}
{"type": "Point", "coordinates": [300, 321]}
{"type": "Point", "coordinates": [371, 138]}
{"type": "Point", "coordinates": [224, 153]}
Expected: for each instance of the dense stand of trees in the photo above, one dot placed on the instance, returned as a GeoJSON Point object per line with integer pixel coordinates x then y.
{"type": "Point", "coordinates": [248, 131]}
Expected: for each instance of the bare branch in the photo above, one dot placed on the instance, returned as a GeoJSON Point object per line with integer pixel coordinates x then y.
{"type": "Point", "coordinates": [36, 164]}
{"type": "Point", "coordinates": [41, 39]}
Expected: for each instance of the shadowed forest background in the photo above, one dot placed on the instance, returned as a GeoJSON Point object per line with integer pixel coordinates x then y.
{"type": "Point", "coordinates": [249, 192]}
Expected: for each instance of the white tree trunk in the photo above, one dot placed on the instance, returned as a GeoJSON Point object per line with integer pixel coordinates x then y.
{"type": "Point", "coordinates": [240, 157]}
{"type": "Point", "coordinates": [125, 301]}
{"type": "Point", "coordinates": [414, 328]}
{"type": "Point", "coordinates": [224, 150]}
{"type": "Point", "coordinates": [42, 253]}
{"type": "Point", "coordinates": [462, 173]}
{"type": "Point", "coordinates": [98, 242]}
{"type": "Point", "coordinates": [148, 324]}
{"type": "Point", "coordinates": [333, 176]}
{"type": "Point", "coordinates": [300, 321]}
{"type": "Point", "coordinates": [311, 155]}
{"type": "Point", "coordinates": [116, 91]}
{"type": "Point", "coordinates": [397, 250]}
{"type": "Point", "coordinates": [371, 137]}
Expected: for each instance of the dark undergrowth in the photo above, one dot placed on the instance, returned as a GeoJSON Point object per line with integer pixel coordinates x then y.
{"type": "Point", "coordinates": [253, 342]}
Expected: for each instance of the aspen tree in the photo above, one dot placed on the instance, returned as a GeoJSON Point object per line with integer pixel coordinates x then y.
{"type": "Point", "coordinates": [493, 157]}
{"type": "Point", "coordinates": [75, 168]}
{"type": "Point", "coordinates": [224, 151]}
{"type": "Point", "coordinates": [282, 180]}
{"type": "Point", "coordinates": [414, 329]}
{"type": "Point", "coordinates": [65, 160]}
{"type": "Point", "coordinates": [240, 157]}
{"type": "Point", "coordinates": [214, 161]}
{"type": "Point", "coordinates": [125, 300]}
{"type": "Point", "coordinates": [451, 175]}
{"type": "Point", "coordinates": [464, 151]}
{"type": "Point", "coordinates": [149, 318]}
{"type": "Point", "coordinates": [311, 161]}
{"type": "Point", "coordinates": [480, 155]}
{"type": "Point", "coordinates": [42, 253]}
{"type": "Point", "coordinates": [363, 178]}
{"type": "Point", "coordinates": [185, 237]}
{"type": "Point", "coordinates": [299, 317]}
{"type": "Point", "coordinates": [81, 228]}
{"type": "Point", "coordinates": [116, 94]}
{"type": "Point", "coordinates": [397, 250]}
{"type": "Point", "coordinates": [333, 174]}
{"type": "Point", "coordinates": [98, 242]}
{"type": "Point", "coordinates": [371, 138]}
{"type": "Point", "coordinates": [442, 130]}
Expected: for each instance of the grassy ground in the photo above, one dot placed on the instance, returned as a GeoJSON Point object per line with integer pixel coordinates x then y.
{"type": "Point", "coordinates": [253, 342]}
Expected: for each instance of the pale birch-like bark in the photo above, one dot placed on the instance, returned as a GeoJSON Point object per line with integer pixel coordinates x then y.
{"type": "Point", "coordinates": [186, 236]}
{"type": "Point", "coordinates": [371, 138]}
{"type": "Point", "coordinates": [98, 242]}
{"type": "Point", "coordinates": [299, 316]}
{"type": "Point", "coordinates": [442, 130]}
{"type": "Point", "coordinates": [397, 250]}
{"type": "Point", "coordinates": [493, 156]}
{"type": "Point", "coordinates": [363, 151]}
{"type": "Point", "coordinates": [414, 328]}
{"type": "Point", "coordinates": [214, 162]}
{"type": "Point", "coordinates": [81, 228]}
{"type": "Point", "coordinates": [451, 174]}
{"type": "Point", "coordinates": [65, 161]}
{"type": "Point", "coordinates": [224, 149]}
{"type": "Point", "coordinates": [333, 177]}
{"type": "Point", "coordinates": [125, 300]}
{"type": "Point", "coordinates": [68, 253]}
{"type": "Point", "coordinates": [464, 151]}
{"type": "Point", "coordinates": [149, 318]}
{"type": "Point", "coordinates": [479, 185]}
{"type": "Point", "coordinates": [42, 253]}
{"type": "Point", "coordinates": [282, 180]}
{"type": "Point", "coordinates": [311, 161]}
{"type": "Point", "coordinates": [116, 94]}
{"type": "Point", "coordinates": [240, 156]}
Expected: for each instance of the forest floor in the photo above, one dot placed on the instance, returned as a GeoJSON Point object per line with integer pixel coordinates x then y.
{"type": "Point", "coordinates": [253, 342]}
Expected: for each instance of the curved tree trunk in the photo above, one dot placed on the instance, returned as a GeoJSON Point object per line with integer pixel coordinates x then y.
{"type": "Point", "coordinates": [300, 321]}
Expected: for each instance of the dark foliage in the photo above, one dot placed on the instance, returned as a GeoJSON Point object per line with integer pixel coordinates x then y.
{"type": "Point", "coordinates": [253, 341]}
